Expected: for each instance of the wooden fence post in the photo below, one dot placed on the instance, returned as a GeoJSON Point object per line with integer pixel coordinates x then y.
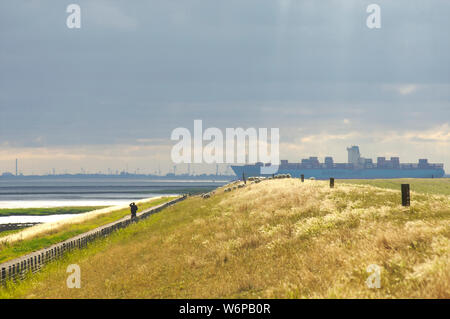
{"type": "Point", "coordinates": [331, 182]}
{"type": "Point", "coordinates": [406, 198]}
{"type": "Point", "coordinates": [302, 178]}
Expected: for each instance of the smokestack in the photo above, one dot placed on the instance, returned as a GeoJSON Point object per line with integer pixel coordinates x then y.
{"type": "Point", "coordinates": [16, 166]}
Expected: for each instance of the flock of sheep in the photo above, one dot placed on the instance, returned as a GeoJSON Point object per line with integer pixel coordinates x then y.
{"type": "Point", "coordinates": [241, 184]}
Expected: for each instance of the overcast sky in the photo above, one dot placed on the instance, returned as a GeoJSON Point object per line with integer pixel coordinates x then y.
{"type": "Point", "coordinates": [109, 94]}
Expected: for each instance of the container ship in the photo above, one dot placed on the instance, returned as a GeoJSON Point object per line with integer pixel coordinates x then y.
{"type": "Point", "coordinates": [357, 168]}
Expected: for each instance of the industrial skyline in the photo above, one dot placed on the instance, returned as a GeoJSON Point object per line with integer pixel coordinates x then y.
{"type": "Point", "coordinates": [180, 170]}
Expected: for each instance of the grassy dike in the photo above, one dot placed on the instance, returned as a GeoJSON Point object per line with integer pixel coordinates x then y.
{"type": "Point", "coordinates": [55, 235]}
{"type": "Point", "coordinates": [275, 239]}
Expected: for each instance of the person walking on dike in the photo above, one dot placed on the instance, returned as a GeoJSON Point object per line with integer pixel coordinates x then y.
{"type": "Point", "coordinates": [134, 209]}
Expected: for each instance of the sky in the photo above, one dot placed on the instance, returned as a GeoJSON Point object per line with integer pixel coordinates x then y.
{"type": "Point", "coordinates": [108, 95]}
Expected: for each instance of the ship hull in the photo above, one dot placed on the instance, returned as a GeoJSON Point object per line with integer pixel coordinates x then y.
{"type": "Point", "coordinates": [321, 173]}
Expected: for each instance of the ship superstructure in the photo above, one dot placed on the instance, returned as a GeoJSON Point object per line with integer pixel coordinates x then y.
{"type": "Point", "coordinates": [356, 167]}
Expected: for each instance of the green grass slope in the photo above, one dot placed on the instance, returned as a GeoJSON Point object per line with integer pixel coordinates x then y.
{"type": "Point", "coordinates": [419, 185]}
{"type": "Point", "coordinates": [47, 211]}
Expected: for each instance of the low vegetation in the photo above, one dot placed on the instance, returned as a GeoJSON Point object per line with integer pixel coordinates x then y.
{"type": "Point", "coordinates": [37, 237]}
{"type": "Point", "coordinates": [422, 185]}
{"type": "Point", "coordinates": [47, 211]}
{"type": "Point", "coordinates": [278, 238]}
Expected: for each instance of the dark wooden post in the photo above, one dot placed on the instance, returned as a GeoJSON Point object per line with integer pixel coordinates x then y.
{"type": "Point", "coordinates": [405, 195]}
{"type": "Point", "coordinates": [243, 178]}
{"type": "Point", "coordinates": [331, 182]}
{"type": "Point", "coordinates": [302, 177]}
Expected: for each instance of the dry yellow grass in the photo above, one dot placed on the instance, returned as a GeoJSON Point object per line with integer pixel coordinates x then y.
{"type": "Point", "coordinates": [275, 239]}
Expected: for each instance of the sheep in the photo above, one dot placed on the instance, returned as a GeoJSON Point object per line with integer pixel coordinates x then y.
{"type": "Point", "coordinates": [278, 176]}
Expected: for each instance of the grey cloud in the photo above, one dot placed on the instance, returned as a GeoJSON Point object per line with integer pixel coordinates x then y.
{"type": "Point", "coordinates": [136, 70]}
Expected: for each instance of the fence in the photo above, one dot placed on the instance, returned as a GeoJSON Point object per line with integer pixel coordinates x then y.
{"type": "Point", "coordinates": [18, 268]}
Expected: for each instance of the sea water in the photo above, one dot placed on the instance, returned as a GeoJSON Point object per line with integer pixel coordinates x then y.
{"type": "Point", "coordinates": [64, 192]}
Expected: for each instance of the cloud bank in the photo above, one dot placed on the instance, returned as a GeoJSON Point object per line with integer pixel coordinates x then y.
{"type": "Point", "coordinates": [112, 91]}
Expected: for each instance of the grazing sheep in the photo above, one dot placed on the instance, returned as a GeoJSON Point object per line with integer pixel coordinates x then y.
{"type": "Point", "coordinates": [207, 195]}
{"type": "Point", "coordinates": [312, 178]}
{"type": "Point", "coordinates": [282, 176]}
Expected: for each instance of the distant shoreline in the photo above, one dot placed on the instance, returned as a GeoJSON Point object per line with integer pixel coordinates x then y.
{"type": "Point", "coordinates": [166, 178]}
{"type": "Point", "coordinates": [45, 211]}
